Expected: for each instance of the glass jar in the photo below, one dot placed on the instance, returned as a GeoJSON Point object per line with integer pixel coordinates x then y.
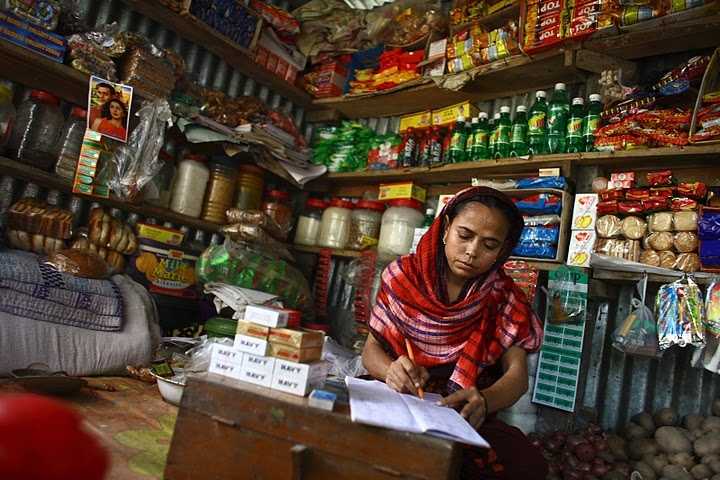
{"type": "Point", "coordinates": [398, 226]}
{"type": "Point", "coordinates": [277, 207]}
{"type": "Point", "coordinates": [249, 188]}
{"type": "Point", "coordinates": [308, 225]}
{"type": "Point", "coordinates": [70, 143]}
{"type": "Point", "coordinates": [335, 225]}
{"type": "Point", "coordinates": [220, 190]}
{"type": "Point", "coordinates": [39, 124]}
{"type": "Point", "coordinates": [365, 224]}
{"type": "Point", "coordinates": [190, 184]}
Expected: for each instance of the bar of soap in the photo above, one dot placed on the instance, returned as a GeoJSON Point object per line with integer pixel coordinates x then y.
{"type": "Point", "coordinates": [322, 399]}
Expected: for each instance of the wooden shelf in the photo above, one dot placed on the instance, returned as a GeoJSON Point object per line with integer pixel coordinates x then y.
{"type": "Point", "coordinates": [494, 19]}
{"type": "Point", "coordinates": [51, 181]}
{"type": "Point", "coordinates": [192, 29]}
{"type": "Point", "coordinates": [701, 278]}
{"type": "Point", "coordinates": [335, 252]}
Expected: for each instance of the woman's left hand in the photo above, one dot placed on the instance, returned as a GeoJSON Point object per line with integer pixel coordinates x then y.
{"type": "Point", "coordinates": [475, 405]}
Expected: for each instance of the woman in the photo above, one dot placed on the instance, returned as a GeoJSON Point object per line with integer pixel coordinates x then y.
{"type": "Point", "coordinates": [112, 120]}
{"type": "Point", "coordinates": [468, 324]}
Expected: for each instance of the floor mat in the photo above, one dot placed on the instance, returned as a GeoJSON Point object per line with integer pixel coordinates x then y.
{"type": "Point", "coordinates": [131, 419]}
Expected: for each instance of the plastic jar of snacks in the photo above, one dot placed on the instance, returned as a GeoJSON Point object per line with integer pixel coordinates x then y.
{"type": "Point", "coordinates": [398, 226]}
{"type": "Point", "coordinates": [335, 225]}
{"type": "Point", "coordinates": [190, 185]}
{"type": "Point", "coordinates": [365, 224]}
{"type": "Point", "coordinates": [277, 207]}
{"type": "Point", "coordinates": [220, 190]}
{"type": "Point", "coordinates": [39, 124]}
{"type": "Point", "coordinates": [70, 143]}
{"type": "Point", "coordinates": [249, 187]}
{"type": "Point", "coordinates": [308, 225]}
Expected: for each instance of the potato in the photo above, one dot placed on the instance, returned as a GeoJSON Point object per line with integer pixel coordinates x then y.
{"type": "Point", "coordinates": [676, 472]}
{"type": "Point", "coordinates": [633, 431]}
{"type": "Point", "coordinates": [617, 447]}
{"type": "Point", "coordinates": [715, 477]}
{"type": "Point", "coordinates": [693, 422]}
{"type": "Point", "coordinates": [657, 462]}
{"type": "Point", "coordinates": [615, 475]}
{"type": "Point", "coordinates": [707, 459]}
{"type": "Point", "coordinates": [642, 446]}
{"type": "Point", "coordinates": [647, 472]}
{"type": "Point", "coordinates": [711, 423]}
{"type": "Point", "coordinates": [707, 444]}
{"type": "Point", "coordinates": [683, 459]}
{"type": "Point", "coordinates": [701, 472]}
{"type": "Point", "coordinates": [714, 466]}
{"type": "Point", "coordinates": [645, 420]}
{"type": "Point", "coordinates": [716, 407]}
{"type": "Point", "coordinates": [665, 417]}
{"type": "Point", "coordinates": [672, 440]}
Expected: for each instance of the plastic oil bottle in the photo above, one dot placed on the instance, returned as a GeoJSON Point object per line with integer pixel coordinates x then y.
{"type": "Point", "coordinates": [518, 136]}
{"type": "Point", "coordinates": [574, 139]}
{"type": "Point", "coordinates": [592, 121]}
{"type": "Point", "coordinates": [470, 139]}
{"type": "Point", "coordinates": [480, 142]}
{"type": "Point", "coordinates": [502, 141]}
{"type": "Point", "coordinates": [557, 119]}
{"type": "Point", "coordinates": [492, 139]}
{"type": "Point", "coordinates": [458, 141]}
{"type": "Point", "coordinates": [537, 125]}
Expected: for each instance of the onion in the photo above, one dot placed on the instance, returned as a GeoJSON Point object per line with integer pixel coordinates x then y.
{"type": "Point", "coordinates": [585, 452]}
{"type": "Point", "coordinates": [570, 474]}
{"type": "Point", "coordinates": [553, 445]}
{"type": "Point", "coordinates": [573, 441]}
{"type": "Point", "coordinates": [584, 467]}
{"type": "Point", "coordinates": [600, 470]}
{"type": "Point", "coordinates": [623, 468]}
{"type": "Point", "coordinates": [601, 445]}
{"type": "Point", "coordinates": [571, 461]}
{"type": "Point", "coordinates": [559, 437]}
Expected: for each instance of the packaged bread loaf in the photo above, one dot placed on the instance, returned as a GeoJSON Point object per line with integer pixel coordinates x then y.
{"type": "Point", "coordinates": [632, 250]}
{"type": "Point", "coordinates": [608, 226]}
{"type": "Point", "coordinates": [659, 241]}
{"type": "Point", "coordinates": [650, 257]}
{"type": "Point", "coordinates": [687, 262]}
{"type": "Point", "coordinates": [80, 263]}
{"type": "Point", "coordinates": [685, 242]}
{"type": "Point", "coordinates": [685, 221]}
{"type": "Point", "coordinates": [660, 222]}
{"type": "Point", "coordinates": [634, 228]}
{"type": "Point", "coordinates": [108, 232]}
{"type": "Point", "coordinates": [667, 259]}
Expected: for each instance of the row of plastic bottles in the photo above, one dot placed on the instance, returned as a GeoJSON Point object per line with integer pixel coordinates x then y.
{"type": "Point", "coordinates": [547, 128]}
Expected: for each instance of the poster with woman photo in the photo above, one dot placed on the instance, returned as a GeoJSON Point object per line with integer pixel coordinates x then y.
{"type": "Point", "coordinates": [109, 108]}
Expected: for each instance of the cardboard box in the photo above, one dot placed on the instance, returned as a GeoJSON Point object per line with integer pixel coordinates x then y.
{"type": "Point", "coordinates": [585, 211]}
{"type": "Point", "coordinates": [416, 121]}
{"type": "Point", "coordinates": [448, 115]}
{"type": "Point", "coordinates": [303, 338]}
{"type": "Point", "coordinates": [294, 354]}
{"type": "Point", "coordinates": [581, 247]}
{"type": "Point", "coordinates": [226, 361]}
{"type": "Point", "coordinates": [257, 369]}
{"type": "Point", "coordinates": [391, 191]}
{"type": "Point", "coordinates": [251, 345]}
{"type": "Point", "coordinates": [299, 378]}
{"type": "Point", "coordinates": [710, 83]}
{"type": "Point", "coordinates": [36, 38]}
{"type": "Point", "coordinates": [252, 330]}
{"type": "Point", "coordinates": [167, 236]}
{"type": "Point", "coordinates": [270, 317]}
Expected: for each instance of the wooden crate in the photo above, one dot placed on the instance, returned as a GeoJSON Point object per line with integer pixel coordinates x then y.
{"type": "Point", "coordinates": [710, 82]}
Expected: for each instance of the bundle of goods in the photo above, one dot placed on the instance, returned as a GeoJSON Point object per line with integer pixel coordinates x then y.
{"type": "Point", "coordinates": [540, 236]}
{"type": "Point", "coordinates": [707, 120]}
{"type": "Point", "coordinates": [35, 226]}
{"type": "Point", "coordinates": [466, 11]}
{"type": "Point", "coordinates": [228, 17]}
{"type": "Point", "coordinates": [545, 24]}
{"type": "Point", "coordinates": [524, 276]}
{"type": "Point", "coordinates": [680, 312]}
{"type": "Point", "coordinates": [394, 67]}
{"type": "Point", "coordinates": [473, 46]}
{"type": "Point", "coordinates": [254, 226]}
{"type": "Point", "coordinates": [232, 112]}
{"type": "Point", "coordinates": [709, 235]}
{"type": "Point", "coordinates": [327, 79]}
{"type": "Point", "coordinates": [406, 22]}
{"type": "Point", "coordinates": [384, 152]}
{"type": "Point", "coordinates": [331, 26]}
{"type": "Point", "coordinates": [655, 225]}
{"type": "Point", "coordinates": [281, 21]}
{"type": "Point", "coordinates": [29, 28]}
{"type": "Point", "coordinates": [343, 149]}
{"type": "Point", "coordinates": [149, 69]}
{"type": "Point", "coordinates": [108, 237]}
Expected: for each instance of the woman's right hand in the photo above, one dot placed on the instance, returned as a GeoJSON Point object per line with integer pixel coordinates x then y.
{"type": "Point", "coordinates": [405, 377]}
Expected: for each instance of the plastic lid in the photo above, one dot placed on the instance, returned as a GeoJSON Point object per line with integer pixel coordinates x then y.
{"type": "Point", "coordinates": [340, 203]}
{"type": "Point", "coordinates": [44, 97]}
{"type": "Point", "coordinates": [521, 108]}
{"type": "Point", "coordinates": [78, 112]}
{"type": "Point", "coordinates": [596, 97]}
{"type": "Point", "coordinates": [578, 101]}
{"type": "Point", "coordinates": [279, 195]}
{"type": "Point", "coordinates": [371, 205]}
{"type": "Point", "coordinates": [316, 203]}
{"type": "Point", "coordinates": [475, 120]}
{"type": "Point", "coordinates": [496, 116]}
{"type": "Point", "coordinates": [559, 86]}
{"type": "Point", "coordinates": [483, 115]}
{"type": "Point", "coordinates": [461, 118]}
{"type": "Point", "coordinates": [406, 202]}
{"type": "Point", "coordinates": [541, 94]}
{"type": "Point", "coordinates": [504, 109]}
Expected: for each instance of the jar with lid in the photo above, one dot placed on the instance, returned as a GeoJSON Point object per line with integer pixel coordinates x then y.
{"type": "Point", "coordinates": [249, 187]}
{"type": "Point", "coordinates": [161, 184]}
{"type": "Point", "coordinates": [335, 225]}
{"type": "Point", "coordinates": [308, 225]}
{"type": "Point", "coordinates": [365, 224]}
{"type": "Point", "coordinates": [220, 190]}
{"type": "Point", "coordinates": [190, 184]}
{"type": "Point", "coordinates": [399, 222]}
{"type": "Point", "coordinates": [70, 143]}
{"type": "Point", "coordinates": [277, 207]}
{"type": "Point", "coordinates": [39, 125]}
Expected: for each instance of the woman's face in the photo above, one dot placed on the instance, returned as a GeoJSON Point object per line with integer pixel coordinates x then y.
{"type": "Point", "coordinates": [474, 240]}
{"type": "Point", "coordinates": [116, 111]}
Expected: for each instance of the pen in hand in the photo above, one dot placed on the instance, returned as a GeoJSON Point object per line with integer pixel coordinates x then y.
{"type": "Point", "coordinates": [420, 392]}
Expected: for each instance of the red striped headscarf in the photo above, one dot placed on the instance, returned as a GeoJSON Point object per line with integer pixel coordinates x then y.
{"type": "Point", "coordinates": [490, 316]}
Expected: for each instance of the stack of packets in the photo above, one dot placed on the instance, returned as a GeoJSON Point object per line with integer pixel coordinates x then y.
{"type": "Point", "coordinates": [655, 225]}
{"type": "Point", "coordinates": [271, 350]}
{"type": "Point", "coordinates": [541, 214]}
{"type": "Point", "coordinates": [395, 67]}
{"type": "Point", "coordinates": [582, 237]}
{"type": "Point", "coordinates": [473, 46]}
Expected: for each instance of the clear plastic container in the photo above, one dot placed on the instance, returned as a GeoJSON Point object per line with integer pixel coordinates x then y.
{"type": "Point", "coordinates": [7, 113]}
{"type": "Point", "coordinates": [335, 225]}
{"type": "Point", "coordinates": [70, 143]}
{"type": "Point", "coordinates": [308, 225]}
{"type": "Point", "coordinates": [190, 185]}
{"type": "Point", "coordinates": [39, 124]}
{"type": "Point", "coordinates": [277, 207]}
{"type": "Point", "coordinates": [249, 188]}
{"type": "Point", "coordinates": [365, 224]}
{"type": "Point", "coordinates": [220, 190]}
{"type": "Point", "coordinates": [398, 226]}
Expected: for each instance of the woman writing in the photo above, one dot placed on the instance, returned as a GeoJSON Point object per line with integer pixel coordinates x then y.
{"type": "Point", "coordinates": [470, 327]}
{"type": "Point", "coordinates": [112, 120]}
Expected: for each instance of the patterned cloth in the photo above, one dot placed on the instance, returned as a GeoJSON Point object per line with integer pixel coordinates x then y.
{"type": "Point", "coordinates": [30, 288]}
{"type": "Point", "coordinates": [491, 315]}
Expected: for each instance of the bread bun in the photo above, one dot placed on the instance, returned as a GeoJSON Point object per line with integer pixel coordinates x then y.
{"type": "Point", "coordinates": [79, 263]}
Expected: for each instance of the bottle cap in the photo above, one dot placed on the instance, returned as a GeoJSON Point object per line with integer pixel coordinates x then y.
{"type": "Point", "coordinates": [578, 101]}
{"type": "Point", "coordinates": [596, 97]}
{"type": "Point", "coordinates": [496, 116]}
{"type": "Point", "coordinates": [475, 120]}
{"type": "Point", "coordinates": [521, 108]}
{"type": "Point", "coordinates": [504, 109]}
{"type": "Point", "coordinates": [483, 115]}
{"type": "Point", "coordinates": [461, 118]}
{"type": "Point", "coordinates": [541, 94]}
{"type": "Point", "coordinates": [559, 86]}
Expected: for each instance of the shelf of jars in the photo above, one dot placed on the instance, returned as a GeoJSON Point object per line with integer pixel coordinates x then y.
{"type": "Point", "coordinates": [51, 181]}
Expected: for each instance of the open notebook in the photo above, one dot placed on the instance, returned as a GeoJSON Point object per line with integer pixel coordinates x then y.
{"type": "Point", "coordinates": [374, 403]}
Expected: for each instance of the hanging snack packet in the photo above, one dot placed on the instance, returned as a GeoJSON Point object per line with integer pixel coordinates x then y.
{"type": "Point", "coordinates": [566, 295]}
{"type": "Point", "coordinates": [638, 334]}
{"type": "Point", "coordinates": [712, 308]}
{"type": "Point", "coordinates": [679, 308]}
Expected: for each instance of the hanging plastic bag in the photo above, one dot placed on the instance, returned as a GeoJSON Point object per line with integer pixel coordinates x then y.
{"type": "Point", "coordinates": [566, 295]}
{"type": "Point", "coordinates": [679, 310]}
{"type": "Point", "coordinates": [638, 334]}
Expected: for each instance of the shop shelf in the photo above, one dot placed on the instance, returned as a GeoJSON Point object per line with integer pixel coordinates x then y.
{"type": "Point", "coordinates": [335, 252]}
